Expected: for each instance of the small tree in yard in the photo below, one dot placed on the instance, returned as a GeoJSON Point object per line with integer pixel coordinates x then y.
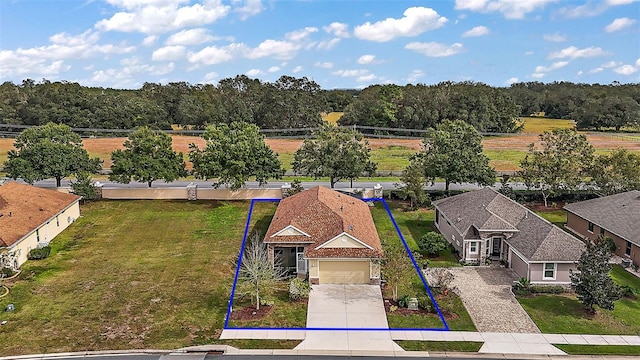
{"type": "Point", "coordinates": [395, 265]}
{"type": "Point", "coordinates": [592, 282]}
{"type": "Point", "coordinates": [412, 185]}
{"type": "Point", "coordinates": [84, 186]}
{"type": "Point", "coordinates": [432, 243]}
{"type": "Point", "coordinates": [257, 270]}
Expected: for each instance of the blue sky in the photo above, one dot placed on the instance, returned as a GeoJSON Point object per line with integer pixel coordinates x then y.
{"type": "Point", "coordinates": [339, 44]}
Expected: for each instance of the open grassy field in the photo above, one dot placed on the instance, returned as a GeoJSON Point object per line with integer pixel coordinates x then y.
{"type": "Point", "coordinates": [563, 314]}
{"type": "Point", "coordinates": [535, 125]}
{"type": "Point", "coordinates": [130, 274]}
{"type": "Point", "coordinates": [332, 117]}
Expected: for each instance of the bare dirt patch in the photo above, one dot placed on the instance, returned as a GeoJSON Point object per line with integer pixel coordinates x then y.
{"type": "Point", "coordinates": [251, 313]}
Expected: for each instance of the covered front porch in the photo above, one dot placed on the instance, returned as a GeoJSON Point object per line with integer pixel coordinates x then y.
{"type": "Point", "coordinates": [485, 250]}
{"type": "Point", "coordinates": [291, 257]}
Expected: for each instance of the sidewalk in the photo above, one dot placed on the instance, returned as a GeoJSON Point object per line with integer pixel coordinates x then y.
{"type": "Point", "coordinates": [494, 343]}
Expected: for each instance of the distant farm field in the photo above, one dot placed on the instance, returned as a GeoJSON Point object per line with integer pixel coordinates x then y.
{"type": "Point", "coordinates": [332, 117]}
{"type": "Point", "coordinates": [504, 152]}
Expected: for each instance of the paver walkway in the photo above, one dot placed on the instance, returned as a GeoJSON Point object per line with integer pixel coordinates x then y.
{"type": "Point", "coordinates": [486, 293]}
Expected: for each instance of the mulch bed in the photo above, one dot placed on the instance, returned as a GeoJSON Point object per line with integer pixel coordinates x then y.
{"type": "Point", "coordinates": [250, 313]}
{"type": "Point", "coordinates": [405, 311]}
{"type": "Point", "coordinates": [540, 206]}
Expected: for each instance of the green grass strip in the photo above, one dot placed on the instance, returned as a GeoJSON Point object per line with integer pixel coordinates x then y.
{"type": "Point", "coordinates": [599, 349]}
{"type": "Point", "coordinates": [441, 346]}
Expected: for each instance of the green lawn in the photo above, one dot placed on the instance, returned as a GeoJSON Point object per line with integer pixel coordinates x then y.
{"type": "Point", "coordinates": [535, 125]}
{"type": "Point", "coordinates": [440, 346]}
{"type": "Point", "coordinates": [564, 314]}
{"type": "Point", "coordinates": [130, 274]}
{"type": "Point", "coordinates": [599, 349]}
{"type": "Point", "coordinates": [557, 217]}
{"type": "Point", "coordinates": [454, 312]}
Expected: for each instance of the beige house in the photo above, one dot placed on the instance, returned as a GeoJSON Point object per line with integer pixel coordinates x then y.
{"type": "Point", "coordinates": [615, 216]}
{"type": "Point", "coordinates": [326, 235]}
{"type": "Point", "coordinates": [30, 218]}
{"type": "Point", "coordinates": [484, 224]}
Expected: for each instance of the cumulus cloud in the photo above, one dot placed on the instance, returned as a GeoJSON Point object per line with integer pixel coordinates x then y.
{"type": "Point", "coordinates": [168, 53]}
{"type": "Point", "coordinates": [152, 17]}
{"type": "Point", "coordinates": [210, 77]}
{"type": "Point", "coordinates": [573, 52]}
{"type": "Point", "coordinates": [328, 44]}
{"type": "Point", "coordinates": [619, 24]}
{"type": "Point", "coordinates": [300, 35]}
{"type": "Point", "coordinates": [476, 31]}
{"type": "Point", "coordinates": [150, 40]}
{"type": "Point", "coordinates": [338, 29]}
{"type": "Point", "coordinates": [554, 37]}
{"type": "Point", "coordinates": [508, 8]}
{"type": "Point", "coordinates": [124, 77]}
{"type": "Point", "coordinates": [512, 80]}
{"type": "Point", "coordinates": [283, 50]}
{"type": "Point", "coordinates": [415, 75]}
{"type": "Point", "coordinates": [416, 20]}
{"type": "Point", "coordinates": [324, 65]}
{"type": "Point", "coordinates": [591, 8]}
{"type": "Point", "coordinates": [351, 73]}
{"type": "Point", "coordinates": [540, 70]}
{"type": "Point", "coordinates": [250, 8]}
{"type": "Point", "coordinates": [296, 69]}
{"type": "Point", "coordinates": [366, 59]}
{"type": "Point", "coordinates": [434, 49]}
{"type": "Point", "coordinates": [190, 37]}
{"type": "Point", "coordinates": [212, 55]}
{"type": "Point", "coordinates": [254, 72]}
{"type": "Point", "coordinates": [627, 69]}
{"type": "Point", "coordinates": [274, 69]}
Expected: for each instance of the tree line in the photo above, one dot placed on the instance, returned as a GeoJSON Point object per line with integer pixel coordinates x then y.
{"type": "Point", "coordinates": [293, 102]}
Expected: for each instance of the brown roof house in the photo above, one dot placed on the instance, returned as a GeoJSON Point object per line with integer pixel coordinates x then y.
{"type": "Point", "coordinates": [484, 224]}
{"type": "Point", "coordinates": [31, 217]}
{"type": "Point", "coordinates": [615, 216]}
{"type": "Point", "coordinates": [328, 235]}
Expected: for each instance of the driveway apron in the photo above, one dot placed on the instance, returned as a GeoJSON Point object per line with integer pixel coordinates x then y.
{"type": "Point", "coordinates": [349, 310]}
{"type": "Point", "coordinates": [486, 293]}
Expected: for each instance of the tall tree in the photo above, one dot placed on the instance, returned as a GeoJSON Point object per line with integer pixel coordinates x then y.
{"type": "Point", "coordinates": [616, 172]}
{"type": "Point", "coordinates": [412, 185]}
{"type": "Point", "coordinates": [453, 151]}
{"type": "Point", "coordinates": [233, 154]}
{"type": "Point", "coordinates": [336, 153]}
{"type": "Point", "coordinates": [592, 283]}
{"type": "Point", "coordinates": [49, 151]}
{"type": "Point", "coordinates": [561, 165]}
{"type": "Point", "coordinates": [147, 157]}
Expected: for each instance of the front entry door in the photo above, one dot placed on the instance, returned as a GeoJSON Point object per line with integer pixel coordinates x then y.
{"type": "Point", "coordinates": [301, 263]}
{"type": "Point", "coordinates": [497, 242]}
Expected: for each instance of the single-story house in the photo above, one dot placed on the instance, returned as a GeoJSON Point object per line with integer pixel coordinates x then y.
{"type": "Point", "coordinates": [615, 216]}
{"type": "Point", "coordinates": [326, 235]}
{"type": "Point", "coordinates": [485, 224]}
{"type": "Point", "coordinates": [30, 217]}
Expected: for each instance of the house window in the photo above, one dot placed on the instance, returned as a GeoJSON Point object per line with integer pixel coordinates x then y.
{"type": "Point", "coordinates": [627, 250]}
{"type": "Point", "coordinates": [38, 235]}
{"type": "Point", "coordinates": [602, 231]}
{"type": "Point", "coordinates": [57, 221]}
{"type": "Point", "coordinates": [473, 247]}
{"type": "Point", "coordinates": [437, 215]}
{"type": "Point", "coordinates": [549, 271]}
{"type": "Point", "coordinates": [590, 229]}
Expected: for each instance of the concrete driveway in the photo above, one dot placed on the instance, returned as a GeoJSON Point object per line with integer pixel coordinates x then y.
{"type": "Point", "coordinates": [351, 310]}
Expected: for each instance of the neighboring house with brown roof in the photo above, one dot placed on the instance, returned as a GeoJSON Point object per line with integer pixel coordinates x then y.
{"type": "Point", "coordinates": [484, 224]}
{"type": "Point", "coordinates": [616, 216]}
{"type": "Point", "coordinates": [31, 217]}
{"type": "Point", "coordinates": [328, 235]}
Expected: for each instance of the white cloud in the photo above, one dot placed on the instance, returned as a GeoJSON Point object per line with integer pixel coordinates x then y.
{"type": "Point", "coordinates": [254, 72]}
{"type": "Point", "coordinates": [328, 44]}
{"type": "Point", "coordinates": [579, 73]}
{"type": "Point", "coordinates": [300, 35]}
{"type": "Point", "coordinates": [619, 24]}
{"type": "Point", "coordinates": [152, 17]}
{"type": "Point", "coordinates": [337, 29]}
{"type": "Point", "coordinates": [591, 8]}
{"type": "Point", "coordinates": [528, 52]}
{"type": "Point", "coordinates": [638, 62]}
{"type": "Point", "coordinates": [537, 75]}
{"type": "Point", "coordinates": [625, 69]}
{"type": "Point", "coordinates": [366, 59]}
{"type": "Point", "coordinates": [540, 70]}
{"type": "Point", "coordinates": [190, 37]}
{"type": "Point", "coordinates": [610, 64]}
{"type": "Point", "coordinates": [596, 70]}
{"type": "Point", "coordinates": [434, 49]}
{"type": "Point", "coordinates": [212, 55]}
{"type": "Point", "coordinates": [250, 8]}
{"type": "Point", "coordinates": [509, 8]}
{"type": "Point", "coordinates": [351, 73]}
{"type": "Point", "coordinates": [124, 77]}
{"type": "Point", "coordinates": [168, 53]}
{"type": "Point", "coordinates": [274, 69]}
{"type": "Point", "coordinates": [415, 76]}
{"type": "Point", "coordinates": [573, 52]}
{"type": "Point", "coordinates": [296, 69]}
{"type": "Point", "coordinates": [476, 31]}
{"type": "Point", "coordinates": [283, 50]}
{"type": "Point", "coordinates": [555, 37]}
{"type": "Point", "coordinates": [366, 78]}
{"type": "Point", "coordinates": [416, 21]}
{"type": "Point", "coordinates": [324, 65]}
{"type": "Point", "coordinates": [210, 77]}
{"type": "Point", "coordinates": [512, 80]}
{"type": "Point", "coordinates": [150, 40]}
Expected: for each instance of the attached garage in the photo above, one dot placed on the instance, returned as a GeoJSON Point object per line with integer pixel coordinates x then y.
{"type": "Point", "coordinates": [344, 272]}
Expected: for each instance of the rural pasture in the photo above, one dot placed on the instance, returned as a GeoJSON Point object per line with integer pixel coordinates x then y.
{"type": "Point", "coordinates": [505, 152]}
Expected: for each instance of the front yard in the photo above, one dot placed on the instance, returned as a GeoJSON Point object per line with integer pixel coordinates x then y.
{"type": "Point", "coordinates": [130, 274]}
{"type": "Point", "coordinates": [564, 314]}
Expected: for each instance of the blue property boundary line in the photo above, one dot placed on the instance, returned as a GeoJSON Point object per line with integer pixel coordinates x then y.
{"type": "Point", "coordinates": [404, 243]}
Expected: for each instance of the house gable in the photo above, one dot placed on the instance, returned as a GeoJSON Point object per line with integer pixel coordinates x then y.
{"type": "Point", "coordinates": [342, 241]}
{"type": "Point", "coordinates": [290, 230]}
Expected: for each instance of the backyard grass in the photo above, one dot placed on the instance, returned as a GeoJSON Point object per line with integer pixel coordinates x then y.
{"type": "Point", "coordinates": [563, 314]}
{"type": "Point", "coordinates": [130, 274]}
{"type": "Point", "coordinates": [599, 349]}
{"type": "Point", "coordinates": [556, 217]}
{"type": "Point", "coordinates": [440, 346]}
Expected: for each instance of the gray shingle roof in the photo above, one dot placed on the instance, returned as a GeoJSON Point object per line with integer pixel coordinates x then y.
{"type": "Point", "coordinates": [533, 237]}
{"type": "Point", "coordinates": [618, 214]}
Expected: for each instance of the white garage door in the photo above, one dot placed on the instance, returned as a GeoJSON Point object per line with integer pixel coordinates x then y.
{"type": "Point", "coordinates": [344, 272]}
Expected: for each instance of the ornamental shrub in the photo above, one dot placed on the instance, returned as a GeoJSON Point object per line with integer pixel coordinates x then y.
{"type": "Point", "coordinates": [39, 253]}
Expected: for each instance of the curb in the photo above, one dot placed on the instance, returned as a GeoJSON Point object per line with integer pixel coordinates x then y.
{"type": "Point", "coordinates": [90, 353]}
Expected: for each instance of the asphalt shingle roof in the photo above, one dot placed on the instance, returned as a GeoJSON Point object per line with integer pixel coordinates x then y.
{"type": "Point", "coordinates": [24, 208]}
{"type": "Point", "coordinates": [323, 214]}
{"type": "Point", "coordinates": [533, 237]}
{"type": "Point", "coordinates": [618, 214]}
